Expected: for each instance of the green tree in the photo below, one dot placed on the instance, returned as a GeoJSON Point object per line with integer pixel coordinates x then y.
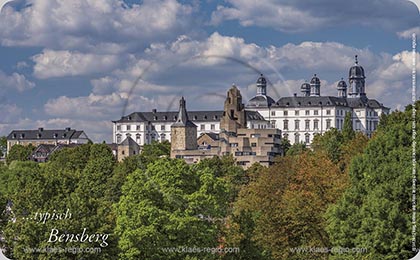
{"type": "Point", "coordinates": [296, 149]}
{"type": "Point", "coordinates": [3, 145]}
{"type": "Point", "coordinates": [330, 142]}
{"type": "Point", "coordinates": [170, 205]}
{"type": "Point", "coordinates": [284, 207]}
{"type": "Point", "coordinates": [155, 150]}
{"type": "Point", "coordinates": [58, 186]}
{"type": "Point", "coordinates": [285, 145]}
{"type": "Point", "coordinates": [19, 153]}
{"type": "Point", "coordinates": [348, 132]}
{"type": "Point", "coordinates": [375, 212]}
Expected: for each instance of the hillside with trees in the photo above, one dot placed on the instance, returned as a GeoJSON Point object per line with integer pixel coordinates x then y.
{"type": "Point", "coordinates": [346, 191]}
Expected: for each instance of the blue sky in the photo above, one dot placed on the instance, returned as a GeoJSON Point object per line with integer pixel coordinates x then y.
{"type": "Point", "coordinates": [74, 63]}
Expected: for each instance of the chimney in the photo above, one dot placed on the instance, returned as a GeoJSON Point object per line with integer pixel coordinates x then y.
{"type": "Point", "coordinates": [40, 129]}
{"type": "Point", "coordinates": [154, 110]}
{"type": "Point", "coordinates": [68, 129]}
{"type": "Point", "coordinates": [294, 94]}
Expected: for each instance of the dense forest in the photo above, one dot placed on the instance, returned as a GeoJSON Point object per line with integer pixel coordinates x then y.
{"type": "Point", "coordinates": [347, 192]}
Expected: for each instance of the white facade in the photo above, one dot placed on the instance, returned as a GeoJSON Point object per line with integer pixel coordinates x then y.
{"type": "Point", "coordinates": [301, 124]}
{"type": "Point", "coordinates": [145, 127]}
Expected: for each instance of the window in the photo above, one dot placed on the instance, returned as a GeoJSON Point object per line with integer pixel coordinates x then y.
{"type": "Point", "coordinates": [212, 127]}
{"type": "Point", "coordinates": [162, 137]}
{"type": "Point", "coordinates": [358, 125]}
{"type": "Point", "coordinates": [202, 127]}
{"type": "Point", "coordinates": [286, 124]}
{"type": "Point", "coordinates": [315, 112]}
{"type": "Point", "coordinates": [118, 127]}
{"type": "Point", "coordinates": [138, 136]}
{"type": "Point", "coordinates": [296, 112]}
{"type": "Point", "coordinates": [285, 113]}
{"type": "Point", "coordinates": [128, 127]}
{"type": "Point", "coordinates": [234, 145]}
{"type": "Point", "coordinates": [253, 144]}
{"type": "Point", "coordinates": [297, 124]}
{"type": "Point", "coordinates": [255, 135]}
{"type": "Point", "coordinates": [138, 128]}
{"type": "Point", "coordinates": [328, 123]}
{"type": "Point", "coordinates": [316, 124]}
{"type": "Point", "coordinates": [297, 138]}
{"type": "Point", "coordinates": [338, 124]}
{"type": "Point", "coordinates": [307, 124]}
{"type": "Point", "coordinates": [307, 112]}
{"type": "Point", "coordinates": [286, 136]}
{"type": "Point", "coordinates": [307, 138]}
{"type": "Point", "coordinates": [162, 128]}
{"type": "Point", "coordinates": [273, 113]}
{"type": "Point", "coordinates": [118, 138]}
{"type": "Point", "coordinates": [328, 112]}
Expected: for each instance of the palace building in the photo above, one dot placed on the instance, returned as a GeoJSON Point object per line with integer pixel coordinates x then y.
{"type": "Point", "coordinates": [298, 117]}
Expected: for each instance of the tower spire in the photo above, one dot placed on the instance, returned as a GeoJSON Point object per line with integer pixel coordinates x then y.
{"type": "Point", "coordinates": [182, 119]}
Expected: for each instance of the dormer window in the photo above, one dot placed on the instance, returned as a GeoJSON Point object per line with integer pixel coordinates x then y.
{"type": "Point", "coordinates": [195, 118]}
{"type": "Point", "coordinates": [205, 117]}
{"type": "Point", "coordinates": [215, 117]}
{"type": "Point", "coordinates": [22, 135]}
{"type": "Point", "coordinates": [55, 135]}
{"type": "Point", "coordinates": [165, 118]}
{"type": "Point", "coordinates": [155, 118]}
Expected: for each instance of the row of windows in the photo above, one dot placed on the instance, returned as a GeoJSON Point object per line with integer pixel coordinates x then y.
{"type": "Point", "coordinates": [297, 112]}
{"type": "Point", "coordinates": [297, 137]}
{"type": "Point", "coordinates": [138, 137]}
{"type": "Point", "coordinates": [307, 124]}
{"type": "Point", "coordinates": [161, 127]}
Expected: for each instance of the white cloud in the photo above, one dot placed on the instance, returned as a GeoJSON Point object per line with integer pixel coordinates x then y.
{"type": "Point", "coordinates": [51, 63]}
{"type": "Point", "coordinates": [408, 34]}
{"type": "Point", "coordinates": [302, 15]}
{"type": "Point", "coordinates": [15, 81]}
{"type": "Point", "coordinates": [94, 25]}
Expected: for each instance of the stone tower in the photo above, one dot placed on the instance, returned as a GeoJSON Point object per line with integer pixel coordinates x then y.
{"type": "Point", "coordinates": [234, 112]}
{"type": "Point", "coordinates": [183, 131]}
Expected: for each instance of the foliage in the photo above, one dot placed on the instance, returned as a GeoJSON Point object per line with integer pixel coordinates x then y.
{"type": "Point", "coordinates": [285, 145]}
{"type": "Point", "coordinates": [375, 212]}
{"type": "Point", "coordinates": [283, 208]}
{"type": "Point", "coordinates": [19, 153]}
{"type": "Point", "coordinates": [348, 132]}
{"type": "Point", "coordinates": [155, 150]}
{"type": "Point", "coordinates": [75, 185]}
{"type": "Point", "coordinates": [170, 205]}
{"type": "Point", "coordinates": [3, 145]}
{"type": "Point", "coordinates": [296, 149]}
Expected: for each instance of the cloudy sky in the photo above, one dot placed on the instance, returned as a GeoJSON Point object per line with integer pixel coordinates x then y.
{"type": "Point", "coordinates": [84, 63]}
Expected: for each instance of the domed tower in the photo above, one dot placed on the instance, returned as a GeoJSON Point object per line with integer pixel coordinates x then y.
{"type": "Point", "coordinates": [342, 88]}
{"type": "Point", "coordinates": [305, 89]}
{"type": "Point", "coordinates": [357, 80]}
{"type": "Point", "coordinates": [315, 86]}
{"type": "Point", "coordinates": [261, 85]}
{"type": "Point", "coordinates": [261, 99]}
